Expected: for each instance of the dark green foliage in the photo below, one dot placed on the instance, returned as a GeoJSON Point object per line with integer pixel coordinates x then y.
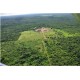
{"type": "Point", "coordinates": [60, 50]}
{"type": "Point", "coordinates": [64, 51]}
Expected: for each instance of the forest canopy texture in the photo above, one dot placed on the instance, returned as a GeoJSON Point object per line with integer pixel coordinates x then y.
{"type": "Point", "coordinates": [40, 40]}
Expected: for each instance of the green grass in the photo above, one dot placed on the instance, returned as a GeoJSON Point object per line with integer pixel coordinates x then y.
{"type": "Point", "coordinates": [66, 34]}
{"type": "Point", "coordinates": [35, 38]}
{"type": "Point", "coordinates": [30, 36]}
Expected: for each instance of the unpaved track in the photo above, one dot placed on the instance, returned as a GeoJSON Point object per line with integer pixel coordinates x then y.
{"type": "Point", "coordinates": [45, 48]}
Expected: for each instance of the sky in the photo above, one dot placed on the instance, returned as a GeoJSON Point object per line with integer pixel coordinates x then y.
{"type": "Point", "coordinates": [16, 7]}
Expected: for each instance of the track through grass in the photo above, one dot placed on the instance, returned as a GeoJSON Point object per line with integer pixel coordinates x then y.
{"type": "Point", "coordinates": [45, 48]}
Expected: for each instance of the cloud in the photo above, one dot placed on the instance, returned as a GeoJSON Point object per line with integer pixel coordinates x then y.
{"type": "Point", "coordinates": [37, 6]}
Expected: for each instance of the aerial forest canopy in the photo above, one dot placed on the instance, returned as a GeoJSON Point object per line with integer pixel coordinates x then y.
{"type": "Point", "coordinates": [40, 39]}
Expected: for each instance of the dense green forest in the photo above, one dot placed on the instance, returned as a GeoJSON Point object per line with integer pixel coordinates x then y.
{"type": "Point", "coordinates": [40, 39]}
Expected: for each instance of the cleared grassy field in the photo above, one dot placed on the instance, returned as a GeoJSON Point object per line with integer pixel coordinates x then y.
{"type": "Point", "coordinates": [30, 36]}
{"type": "Point", "coordinates": [35, 39]}
{"type": "Point", "coordinates": [33, 35]}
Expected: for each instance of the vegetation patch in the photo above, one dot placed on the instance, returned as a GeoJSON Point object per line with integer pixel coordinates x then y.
{"type": "Point", "coordinates": [40, 41]}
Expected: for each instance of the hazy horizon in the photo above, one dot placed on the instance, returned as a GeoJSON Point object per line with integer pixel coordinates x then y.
{"type": "Point", "coordinates": [20, 7]}
{"type": "Point", "coordinates": [45, 14]}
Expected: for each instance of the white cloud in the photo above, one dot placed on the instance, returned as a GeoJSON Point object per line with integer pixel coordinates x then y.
{"type": "Point", "coordinates": [37, 6]}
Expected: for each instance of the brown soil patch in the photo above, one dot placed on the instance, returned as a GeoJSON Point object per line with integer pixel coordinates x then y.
{"type": "Point", "coordinates": [42, 29]}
